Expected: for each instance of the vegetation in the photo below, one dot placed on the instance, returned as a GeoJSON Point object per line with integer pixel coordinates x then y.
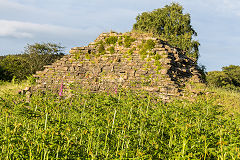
{"type": "Point", "coordinates": [111, 40]}
{"type": "Point", "coordinates": [111, 49]}
{"type": "Point", "coordinates": [101, 48]}
{"type": "Point", "coordinates": [128, 41]}
{"type": "Point", "coordinates": [120, 42]}
{"type": "Point", "coordinates": [146, 47]}
{"type": "Point", "coordinates": [41, 54]}
{"type": "Point", "coordinates": [12, 87]}
{"type": "Point", "coordinates": [229, 77]}
{"type": "Point", "coordinates": [118, 125]}
{"type": "Point", "coordinates": [14, 66]}
{"type": "Point", "coordinates": [171, 24]}
{"type": "Point", "coordinates": [33, 59]}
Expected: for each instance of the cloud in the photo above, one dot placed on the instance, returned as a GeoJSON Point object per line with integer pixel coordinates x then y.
{"type": "Point", "coordinates": [19, 29]}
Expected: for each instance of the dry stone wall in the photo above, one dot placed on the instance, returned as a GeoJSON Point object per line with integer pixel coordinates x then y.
{"type": "Point", "coordinates": [129, 60]}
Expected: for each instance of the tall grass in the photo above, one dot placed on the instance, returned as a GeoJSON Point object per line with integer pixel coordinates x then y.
{"type": "Point", "coordinates": [11, 87]}
{"type": "Point", "coordinates": [102, 126]}
{"type": "Point", "coordinates": [226, 97]}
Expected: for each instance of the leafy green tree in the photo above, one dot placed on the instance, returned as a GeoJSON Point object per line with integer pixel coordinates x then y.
{"type": "Point", "coordinates": [33, 59]}
{"type": "Point", "coordinates": [14, 66]}
{"type": "Point", "coordinates": [233, 73]}
{"type": "Point", "coordinates": [229, 77]}
{"type": "Point", "coordinates": [172, 25]}
{"type": "Point", "coordinates": [217, 79]}
{"type": "Point", "coordinates": [41, 54]}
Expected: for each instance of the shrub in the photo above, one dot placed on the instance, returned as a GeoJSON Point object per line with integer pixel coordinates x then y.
{"type": "Point", "coordinates": [101, 49]}
{"type": "Point", "coordinates": [128, 41]}
{"type": "Point", "coordinates": [146, 47]}
{"type": "Point", "coordinates": [112, 50]}
{"type": "Point", "coordinates": [130, 51]}
{"type": "Point", "coordinates": [111, 40]}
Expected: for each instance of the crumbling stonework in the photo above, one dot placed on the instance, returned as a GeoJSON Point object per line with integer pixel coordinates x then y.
{"type": "Point", "coordinates": [129, 60]}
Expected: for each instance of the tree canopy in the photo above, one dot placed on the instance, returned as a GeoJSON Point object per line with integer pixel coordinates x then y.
{"type": "Point", "coordinates": [33, 59]}
{"type": "Point", "coordinates": [172, 25]}
{"type": "Point", "coordinates": [229, 77]}
{"type": "Point", "coordinates": [41, 54]}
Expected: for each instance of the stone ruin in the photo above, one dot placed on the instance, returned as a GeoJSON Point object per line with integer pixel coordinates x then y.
{"type": "Point", "coordinates": [127, 60]}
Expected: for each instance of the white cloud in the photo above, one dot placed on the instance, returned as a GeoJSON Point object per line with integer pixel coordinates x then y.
{"type": "Point", "coordinates": [6, 4]}
{"type": "Point", "coordinates": [20, 29]}
{"type": "Point", "coordinates": [14, 29]}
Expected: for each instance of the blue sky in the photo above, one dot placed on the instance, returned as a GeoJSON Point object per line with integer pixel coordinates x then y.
{"type": "Point", "coordinates": [78, 22]}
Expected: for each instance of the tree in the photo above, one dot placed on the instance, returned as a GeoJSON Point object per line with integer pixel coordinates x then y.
{"type": "Point", "coordinates": [218, 79]}
{"type": "Point", "coordinates": [41, 54]}
{"type": "Point", "coordinates": [14, 66]}
{"type": "Point", "coordinates": [233, 73]}
{"type": "Point", "coordinates": [170, 24]}
{"type": "Point", "coordinates": [229, 77]}
{"type": "Point", "coordinates": [33, 59]}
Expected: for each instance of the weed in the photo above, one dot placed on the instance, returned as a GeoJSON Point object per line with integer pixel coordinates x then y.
{"type": "Point", "coordinates": [111, 40]}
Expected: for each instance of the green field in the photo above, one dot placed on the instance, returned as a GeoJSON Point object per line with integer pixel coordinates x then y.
{"type": "Point", "coordinates": [122, 125]}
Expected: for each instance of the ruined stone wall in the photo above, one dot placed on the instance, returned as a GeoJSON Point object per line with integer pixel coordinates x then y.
{"type": "Point", "coordinates": [128, 60]}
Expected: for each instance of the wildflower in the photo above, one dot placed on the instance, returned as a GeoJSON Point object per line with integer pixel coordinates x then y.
{"type": "Point", "coordinates": [61, 90]}
{"type": "Point", "coordinates": [115, 90]}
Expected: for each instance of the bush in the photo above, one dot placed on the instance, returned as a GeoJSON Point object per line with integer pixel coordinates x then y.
{"type": "Point", "coordinates": [101, 49]}
{"type": "Point", "coordinates": [111, 40]}
{"type": "Point", "coordinates": [112, 50]}
{"type": "Point", "coordinates": [128, 41]}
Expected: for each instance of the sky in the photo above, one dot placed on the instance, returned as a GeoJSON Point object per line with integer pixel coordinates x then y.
{"type": "Point", "coordinates": [75, 23]}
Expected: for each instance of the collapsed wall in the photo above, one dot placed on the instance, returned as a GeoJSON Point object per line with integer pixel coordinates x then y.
{"type": "Point", "coordinates": [129, 60]}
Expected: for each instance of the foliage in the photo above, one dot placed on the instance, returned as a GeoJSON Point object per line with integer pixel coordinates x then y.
{"type": "Point", "coordinates": [17, 66]}
{"type": "Point", "coordinates": [128, 41]}
{"type": "Point", "coordinates": [111, 49]}
{"type": "Point", "coordinates": [112, 40]}
{"type": "Point", "coordinates": [33, 59]}
{"type": "Point", "coordinates": [229, 77]}
{"type": "Point", "coordinates": [122, 125]}
{"type": "Point", "coordinates": [171, 24]}
{"type": "Point", "coordinates": [130, 51]}
{"type": "Point", "coordinates": [41, 54]}
{"type": "Point", "coordinates": [146, 47]}
{"type": "Point", "coordinates": [101, 48]}
{"type": "Point", "coordinates": [31, 80]}
{"type": "Point", "coordinates": [233, 72]}
{"type": "Point", "coordinates": [120, 42]}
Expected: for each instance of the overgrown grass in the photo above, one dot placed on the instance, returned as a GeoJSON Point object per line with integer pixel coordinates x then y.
{"type": "Point", "coordinates": [228, 98]}
{"type": "Point", "coordinates": [12, 87]}
{"type": "Point", "coordinates": [116, 126]}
